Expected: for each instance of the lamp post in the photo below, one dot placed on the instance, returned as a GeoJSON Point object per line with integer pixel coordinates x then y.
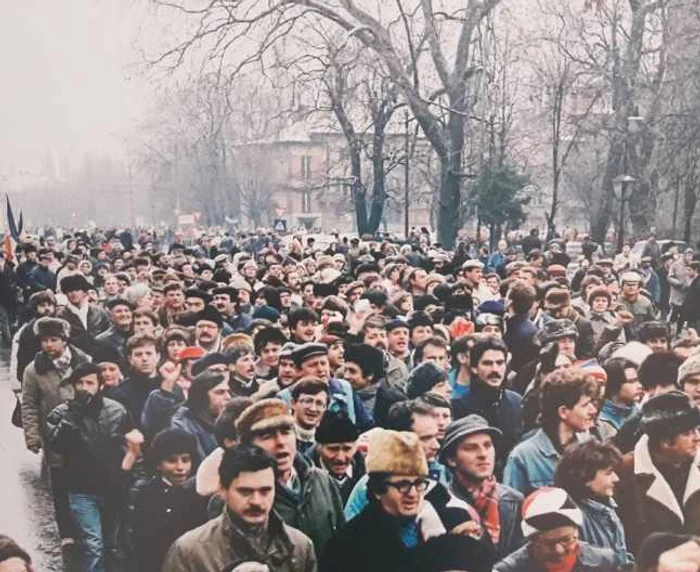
{"type": "Point", "coordinates": [620, 189]}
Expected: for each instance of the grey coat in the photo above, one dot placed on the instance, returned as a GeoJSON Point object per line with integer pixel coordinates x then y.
{"type": "Point", "coordinates": [590, 559]}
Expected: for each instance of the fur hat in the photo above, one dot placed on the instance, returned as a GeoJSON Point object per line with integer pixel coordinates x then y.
{"type": "Point", "coordinates": [370, 359]}
{"type": "Point", "coordinates": [397, 453]}
{"type": "Point", "coordinates": [171, 442]}
{"type": "Point", "coordinates": [557, 330]}
{"type": "Point", "coordinates": [209, 360]}
{"type": "Point", "coordinates": [689, 368]}
{"type": "Point", "coordinates": [81, 371]}
{"type": "Point", "coordinates": [558, 297]}
{"type": "Point", "coordinates": [423, 378]}
{"type": "Point", "coordinates": [599, 292]}
{"type": "Point", "coordinates": [668, 415]}
{"type": "Point", "coordinates": [549, 508]}
{"type": "Point", "coordinates": [75, 282]}
{"type": "Point", "coordinates": [651, 330]}
{"type": "Point", "coordinates": [336, 427]}
{"type": "Point", "coordinates": [209, 314]}
{"type": "Point", "coordinates": [238, 338]}
{"type": "Point", "coordinates": [51, 328]}
{"type": "Point", "coordinates": [263, 415]}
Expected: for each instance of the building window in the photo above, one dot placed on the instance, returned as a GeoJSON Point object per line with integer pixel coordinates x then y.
{"type": "Point", "coordinates": [306, 167]}
{"type": "Point", "coordinates": [306, 201]}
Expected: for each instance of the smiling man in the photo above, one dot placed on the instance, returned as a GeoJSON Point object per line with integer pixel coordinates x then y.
{"type": "Point", "coordinates": [248, 529]}
{"type": "Point", "coordinates": [305, 496]}
{"type": "Point", "coordinates": [309, 402]}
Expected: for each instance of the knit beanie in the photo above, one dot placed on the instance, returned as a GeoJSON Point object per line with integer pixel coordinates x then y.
{"type": "Point", "coordinates": [548, 508]}
{"type": "Point", "coordinates": [423, 378]}
{"type": "Point", "coordinates": [336, 427]}
{"type": "Point", "coordinates": [689, 368]}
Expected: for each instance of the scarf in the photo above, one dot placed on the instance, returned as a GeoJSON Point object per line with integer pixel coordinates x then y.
{"type": "Point", "coordinates": [62, 364]}
{"type": "Point", "coordinates": [566, 564]}
{"type": "Point", "coordinates": [486, 503]}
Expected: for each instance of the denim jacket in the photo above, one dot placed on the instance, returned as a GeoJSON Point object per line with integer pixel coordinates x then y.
{"type": "Point", "coordinates": [603, 528]}
{"type": "Point", "coordinates": [531, 464]}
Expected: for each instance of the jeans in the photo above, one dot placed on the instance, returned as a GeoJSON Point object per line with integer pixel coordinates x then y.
{"type": "Point", "coordinates": [96, 523]}
{"type": "Point", "coordinates": [64, 517]}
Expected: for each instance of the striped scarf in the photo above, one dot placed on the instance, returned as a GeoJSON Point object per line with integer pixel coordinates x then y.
{"type": "Point", "coordinates": [486, 503]}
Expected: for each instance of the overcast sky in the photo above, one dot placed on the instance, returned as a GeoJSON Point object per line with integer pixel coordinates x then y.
{"type": "Point", "coordinates": [67, 81]}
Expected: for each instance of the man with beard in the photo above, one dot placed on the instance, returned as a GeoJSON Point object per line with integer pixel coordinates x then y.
{"type": "Point", "coordinates": [336, 451]}
{"type": "Point", "coordinates": [248, 530]}
{"type": "Point", "coordinates": [568, 410]}
{"type": "Point", "coordinates": [90, 432]}
{"type": "Point", "coordinates": [207, 398]}
{"type": "Point", "coordinates": [486, 396]}
{"type": "Point", "coordinates": [121, 316]}
{"type": "Point", "coordinates": [469, 453]}
{"type": "Point", "coordinates": [305, 496]}
{"type": "Point", "coordinates": [86, 320]}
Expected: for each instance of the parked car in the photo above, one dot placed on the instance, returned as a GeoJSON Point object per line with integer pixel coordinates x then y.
{"type": "Point", "coordinates": [665, 244]}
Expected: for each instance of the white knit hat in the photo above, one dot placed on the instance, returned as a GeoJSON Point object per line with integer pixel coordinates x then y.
{"type": "Point", "coordinates": [548, 508]}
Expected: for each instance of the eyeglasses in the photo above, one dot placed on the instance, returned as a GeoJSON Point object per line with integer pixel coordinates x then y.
{"type": "Point", "coordinates": [405, 486]}
{"type": "Point", "coordinates": [565, 542]}
{"type": "Point", "coordinates": [309, 401]}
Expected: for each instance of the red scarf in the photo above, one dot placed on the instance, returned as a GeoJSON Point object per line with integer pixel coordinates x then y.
{"type": "Point", "coordinates": [566, 564]}
{"type": "Point", "coordinates": [486, 503]}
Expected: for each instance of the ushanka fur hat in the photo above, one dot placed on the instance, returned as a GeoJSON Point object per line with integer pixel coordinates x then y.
{"type": "Point", "coordinates": [51, 328]}
{"type": "Point", "coordinates": [396, 453]}
{"type": "Point", "coordinates": [668, 415]}
{"type": "Point", "coordinates": [263, 415]}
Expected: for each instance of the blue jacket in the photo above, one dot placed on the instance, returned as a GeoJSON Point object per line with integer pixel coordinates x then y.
{"type": "Point", "coordinates": [495, 261]}
{"type": "Point", "coordinates": [615, 415]}
{"type": "Point", "coordinates": [519, 337]}
{"type": "Point", "coordinates": [531, 464]}
{"type": "Point", "coordinates": [603, 528]}
{"type": "Point", "coordinates": [187, 420]}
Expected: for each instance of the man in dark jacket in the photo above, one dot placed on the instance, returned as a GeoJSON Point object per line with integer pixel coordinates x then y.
{"type": "Point", "coordinates": [659, 489]}
{"type": "Point", "coordinates": [121, 317]}
{"type": "Point", "coordinates": [520, 331]}
{"type": "Point", "coordinates": [165, 506]}
{"type": "Point", "coordinates": [487, 396]}
{"type": "Point", "coordinates": [469, 453]}
{"type": "Point", "coordinates": [557, 306]}
{"type": "Point", "coordinates": [90, 432]}
{"type": "Point", "coordinates": [42, 304]}
{"type": "Point", "coordinates": [41, 277]}
{"type": "Point", "coordinates": [305, 497]}
{"type": "Point", "coordinates": [86, 320]}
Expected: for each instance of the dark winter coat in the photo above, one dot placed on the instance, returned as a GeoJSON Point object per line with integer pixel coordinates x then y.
{"type": "Point", "coordinates": [91, 442]}
{"type": "Point", "coordinates": [133, 392]}
{"type": "Point", "coordinates": [84, 338]}
{"type": "Point", "coordinates": [189, 421]}
{"type": "Point", "coordinates": [158, 514]}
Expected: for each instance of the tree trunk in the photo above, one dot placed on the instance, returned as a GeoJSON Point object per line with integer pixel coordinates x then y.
{"type": "Point", "coordinates": [449, 199]}
{"type": "Point", "coordinates": [689, 204]}
{"type": "Point", "coordinates": [379, 182]}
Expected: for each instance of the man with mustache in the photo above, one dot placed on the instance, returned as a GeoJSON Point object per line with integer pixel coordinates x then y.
{"type": "Point", "coordinates": [486, 396]}
{"type": "Point", "coordinates": [248, 530]}
{"type": "Point", "coordinates": [305, 496]}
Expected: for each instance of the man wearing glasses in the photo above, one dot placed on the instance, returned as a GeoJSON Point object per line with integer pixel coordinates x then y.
{"type": "Point", "coordinates": [550, 524]}
{"type": "Point", "coordinates": [383, 536]}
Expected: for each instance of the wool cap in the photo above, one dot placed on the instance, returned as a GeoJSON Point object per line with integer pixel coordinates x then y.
{"type": "Point", "coordinates": [106, 353]}
{"type": "Point", "coordinates": [668, 415]}
{"type": "Point", "coordinates": [74, 283]}
{"type": "Point", "coordinates": [549, 508]}
{"type": "Point", "coordinates": [307, 351]}
{"type": "Point", "coordinates": [470, 425]}
{"type": "Point", "coordinates": [689, 368]}
{"type": "Point", "coordinates": [197, 293]}
{"type": "Point", "coordinates": [263, 415]}
{"type": "Point", "coordinates": [397, 453]}
{"type": "Point", "coordinates": [423, 378]}
{"type": "Point", "coordinates": [631, 277]}
{"type": "Point", "coordinates": [556, 330]}
{"type": "Point", "coordinates": [81, 371]}
{"type": "Point", "coordinates": [492, 307]}
{"type": "Point", "coordinates": [336, 427]}
{"type": "Point", "coordinates": [170, 442]}
{"type": "Point", "coordinates": [266, 313]}
{"type": "Point", "coordinates": [209, 314]}
{"type": "Point", "coordinates": [395, 324]}
{"type": "Point", "coordinates": [209, 360]}
{"type": "Point", "coordinates": [51, 328]}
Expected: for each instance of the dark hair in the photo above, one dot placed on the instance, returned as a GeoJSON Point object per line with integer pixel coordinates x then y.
{"type": "Point", "coordinates": [150, 314]}
{"type": "Point", "coordinates": [170, 286]}
{"type": "Point", "coordinates": [652, 330]}
{"type": "Point", "coordinates": [563, 388]}
{"type": "Point", "coordinates": [243, 459]}
{"type": "Point", "coordinates": [435, 341]}
{"type": "Point", "coordinates": [376, 485]}
{"type": "Point", "coordinates": [482, 346]}
{"type": "Point", "coordinates": [580, 463]}
{"type": "Point", "coordinates": [433, 400]}
{"type": "Point", "coordinates": [460, 346]}
{"type": "Point", "coordinates": [169, 442]}
{"type": "Point", "coordinates": [225, 425]}
{"type": "Point", "coordinates": [659, 369]}
{"type": "Point", "coordinates": [615, 371]}
{"type": "Point", "coordinates": [309, 387]}
{"type": "Point", "coordinates": [522, 296]}
{"type": "Point", "coordinates": [10, 549]}
{"type": "Point", "coordinates": [400, 415]}
{"type": "Point", "coordinates": [139, 341]}
{"type": "Point", "coordinates": [301, 315]}
{"type": "Point", "coordinates": [374, 322]}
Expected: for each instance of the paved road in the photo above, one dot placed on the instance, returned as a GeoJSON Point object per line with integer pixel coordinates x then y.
{"type": "Point", "coordinates": [26, 509]}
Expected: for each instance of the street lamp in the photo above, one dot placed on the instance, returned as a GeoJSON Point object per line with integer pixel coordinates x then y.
{"type": "Point", "coordinates": [620, 185]}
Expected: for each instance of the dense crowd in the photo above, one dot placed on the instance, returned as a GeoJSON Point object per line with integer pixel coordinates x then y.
{"type": "Point", "coordinates": [239, 402]}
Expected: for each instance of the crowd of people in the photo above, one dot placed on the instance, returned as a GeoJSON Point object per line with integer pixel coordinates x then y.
{"type": "Point", "coordinates": [236, 402]}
